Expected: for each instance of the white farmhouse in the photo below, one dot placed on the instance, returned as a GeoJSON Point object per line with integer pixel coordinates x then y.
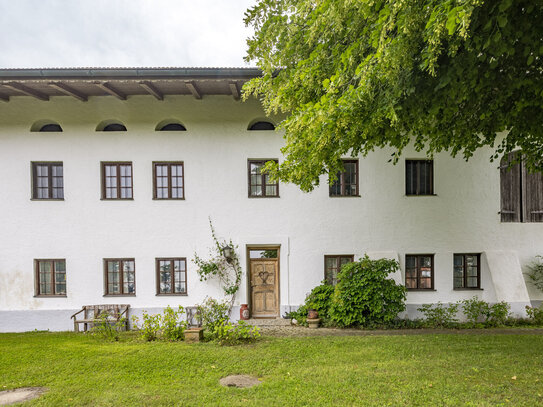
{"type": "Point", "coordinates": [109, 176]}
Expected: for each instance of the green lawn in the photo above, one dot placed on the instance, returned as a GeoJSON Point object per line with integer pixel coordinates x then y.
{"type": "Point", "coordinates": [441, 369]}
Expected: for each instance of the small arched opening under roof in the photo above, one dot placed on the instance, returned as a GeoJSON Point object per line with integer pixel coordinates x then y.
{"type": "Point", "coordinates": [261, 124]}
{"type": "Point", "coordinates": [46, 126]}
{"type": "Point", "coordinates": [111, 125]}
{"type": "Point", "coordinates": [170, 125]}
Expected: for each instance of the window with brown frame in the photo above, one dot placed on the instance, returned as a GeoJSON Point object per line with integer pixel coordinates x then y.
{"type": "Point", "coordinates": [346, 183]}
{"type": "Point", "coordinates": [168, 180]}
{"type": "Point", "coordinates": [120, 277]}
{"type": "Point", "coordinates": [419, 177]}
{"type": "Point", "coordinates": [50, 277]}
{"type": "Point", "coordinates": [467, 271]}
{"type": "Point", "coordinates": [47, 180]}
{"type": "Point", "coordinates": [521, 191]}
{"type": "Point", "coordinates": [260, 185]}
{"type": "Point", "coordinates": [419, 271]}
{"type": "Point", "coordinates": [171, 274]}
{"type": "Point", "coordinates": [117, 180]}
{"type": "Point", "coordinates": [333, 264]}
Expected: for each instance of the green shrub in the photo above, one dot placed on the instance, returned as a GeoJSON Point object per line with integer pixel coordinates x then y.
{"type": "Point", "coordinates": [105, 328]}
{"type": "Point", "coordinates": [212, 313]}
{"type": "Point", "coordinates": [475, 311]}
{"type": "Point", "coordinates": [233, 334]}
{"type": "Point", "coordinates": [319, 299]}
{"type": "Point", "coordinates": [172, 326]}
{"type": "Point", "coordinates": [535, 314]}
{"type": "Point", "coordinates": [439, 315]}
{"type": "Point", "coordinates": [150, 328]}
{"type": "Point", "coordinates": [365, 296]}
{"type": "Point", "coordinates": [168, 326]}
{"type": "Point", "coordinates": [535, 272]}
{"type": "Point", "coordinates": [497, 314]}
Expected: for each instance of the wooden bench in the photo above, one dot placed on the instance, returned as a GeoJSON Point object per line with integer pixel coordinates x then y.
{"type": "Point", "coordinates": [91, 313]}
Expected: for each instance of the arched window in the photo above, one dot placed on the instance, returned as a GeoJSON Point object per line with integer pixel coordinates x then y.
{"type": "Point", "coordinates": [172, 127]}
{"type": "Point", "coordinates": [51, 127]}
{"type": "Point", "coordinates": [115, 127]}
{"type": "Point", "coordinates": [45, 125]}
{"type": "Point", "coordinates": [261, 125]}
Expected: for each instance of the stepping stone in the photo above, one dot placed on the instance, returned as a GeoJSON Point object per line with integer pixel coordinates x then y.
{"type": "Point", "coordinates": [9, 397]}
{"type": "Point", "coordinates": [241, 381]}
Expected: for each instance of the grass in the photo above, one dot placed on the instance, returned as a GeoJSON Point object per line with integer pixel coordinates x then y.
{"type": "Point", "coordinates": [442, 369]}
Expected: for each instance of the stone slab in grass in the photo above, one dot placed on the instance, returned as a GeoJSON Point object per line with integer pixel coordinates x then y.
{"type": "Point", "coordinates": [241, 381]}
{"type": "Point", "coordinates": [14, 396]}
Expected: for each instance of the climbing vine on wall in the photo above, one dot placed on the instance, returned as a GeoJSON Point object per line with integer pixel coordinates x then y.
{"type": "Point", "coordinates": [226, 270]}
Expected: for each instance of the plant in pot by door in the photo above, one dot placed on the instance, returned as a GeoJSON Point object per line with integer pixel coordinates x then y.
{"type": "Point", "coordinates": [313, 319]}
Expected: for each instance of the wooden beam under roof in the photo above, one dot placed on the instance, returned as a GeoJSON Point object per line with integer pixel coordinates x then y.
{"type": "Point", "coordinates": [193, 89]}
{"type": "Point", "coordinates": [68, 90]}
{"type": "Point", "coordinates": [152, 89]}
{"type": "Point", "coordinates": [5, 98]}
{"type": "Point", "coordinates": [26, 90]}
{"type": "Point", "coordinates": [234, 89]}
{"type": "Point", "coordinates": [107, 87]}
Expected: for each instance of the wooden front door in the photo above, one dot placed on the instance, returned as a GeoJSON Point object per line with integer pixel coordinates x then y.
{"type": "Point", "coordinates": [264, 288]}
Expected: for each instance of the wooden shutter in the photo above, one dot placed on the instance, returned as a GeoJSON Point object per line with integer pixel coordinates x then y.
{"type": "Point", "coordinates": [510, 189]}
{"type": "Point", "coordinates": [533, 187]}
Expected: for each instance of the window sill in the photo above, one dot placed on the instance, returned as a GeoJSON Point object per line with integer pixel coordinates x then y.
{"type": "Point", "coordinates": [51, 296]}
{"type": "Point", "coordinates": [344, 196]}
{"type": "Point", "coordinates": [411, 195]}
{"type": "Point", "coordinates": [47, 199]}
{"type": "Point", "coordinates": [172, 295]}
{"type": "Point", "coordinates": [116, 199]}
{"type": "Point", "coordinates": [467, 289]}
{"type": "Point", "coordinates": [264, 196]}
{"type": "Point", "coordinates": [119, 295]}
{"type": "Point", "coordinates": [168, 199]}
{"type": "Point", "coordinates": [420, 289]}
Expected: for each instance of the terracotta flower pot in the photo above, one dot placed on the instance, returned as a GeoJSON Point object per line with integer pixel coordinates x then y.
{"type": "Point", "coordinates": [312, 314]}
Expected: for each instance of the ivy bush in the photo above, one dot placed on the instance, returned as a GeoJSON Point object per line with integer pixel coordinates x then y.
{"type": "Point", "coordinates": [365, 296]}
{"type": "Point", "coordinates": [319, 299]}
{"type": "Point", "coordinates": [233, 334]}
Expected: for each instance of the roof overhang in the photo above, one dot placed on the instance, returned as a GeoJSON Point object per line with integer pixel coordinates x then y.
{"type": "Point", "coordinates": [82, 83]}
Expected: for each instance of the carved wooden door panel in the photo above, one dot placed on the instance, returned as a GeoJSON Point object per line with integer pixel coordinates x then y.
{"type": "Point", "coordinates": [264, 288]}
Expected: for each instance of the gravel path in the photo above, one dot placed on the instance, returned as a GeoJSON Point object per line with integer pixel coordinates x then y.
{"type": "Point", "coordinates": [294, 331]}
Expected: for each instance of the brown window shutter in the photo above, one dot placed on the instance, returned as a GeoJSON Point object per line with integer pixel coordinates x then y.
{"type": "Point", "coordinates": [510, 189]}
{"type": "Point", "coordinates": [534, 196]}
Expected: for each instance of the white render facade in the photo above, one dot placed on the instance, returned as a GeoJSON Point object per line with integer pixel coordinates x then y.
{"type": "Point", "coordinates": [461, 217]}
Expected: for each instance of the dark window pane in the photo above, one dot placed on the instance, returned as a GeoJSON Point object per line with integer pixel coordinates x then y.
{"type": "Point", "coordinates": [262, 126]}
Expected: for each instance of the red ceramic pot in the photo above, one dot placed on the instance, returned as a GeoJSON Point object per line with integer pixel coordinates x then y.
{"type": "Point", "coordinates": [244, 312]}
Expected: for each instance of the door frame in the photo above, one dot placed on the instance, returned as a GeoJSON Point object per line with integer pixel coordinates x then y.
{"type": "Point", "coordinates": [248, 249]}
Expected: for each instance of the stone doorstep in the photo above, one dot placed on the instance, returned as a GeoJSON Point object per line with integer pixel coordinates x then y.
{"type": "Point", "coordinates": [194, 335]}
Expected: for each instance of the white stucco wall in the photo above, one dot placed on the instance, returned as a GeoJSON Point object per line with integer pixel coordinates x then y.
{"type": "Point", "coordinates": [462, 217]}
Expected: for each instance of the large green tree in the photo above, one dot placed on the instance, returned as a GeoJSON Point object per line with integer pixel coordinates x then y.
{"type": "Point", "coordinates": [355, 75]}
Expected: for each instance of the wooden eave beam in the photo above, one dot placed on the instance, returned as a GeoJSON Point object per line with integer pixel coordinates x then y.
{"type": "Point", "coordinates": [26, 90]}
{"type": "Point", "coordinates": [152, 89]}
{"type": "Point", "coordinates": [107, 87]}
{"type": "Point", "coordinates": [5, 98]}
{"type": "Point", "coordinates": [193, 89]}
{"type": "Point", "coordinates": [68, 90]}
{"type": "Point", "coordinates": [234, 89]}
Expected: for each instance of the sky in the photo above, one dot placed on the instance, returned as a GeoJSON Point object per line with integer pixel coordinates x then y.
{"type": "Point", "coordinates": [123, 33]}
